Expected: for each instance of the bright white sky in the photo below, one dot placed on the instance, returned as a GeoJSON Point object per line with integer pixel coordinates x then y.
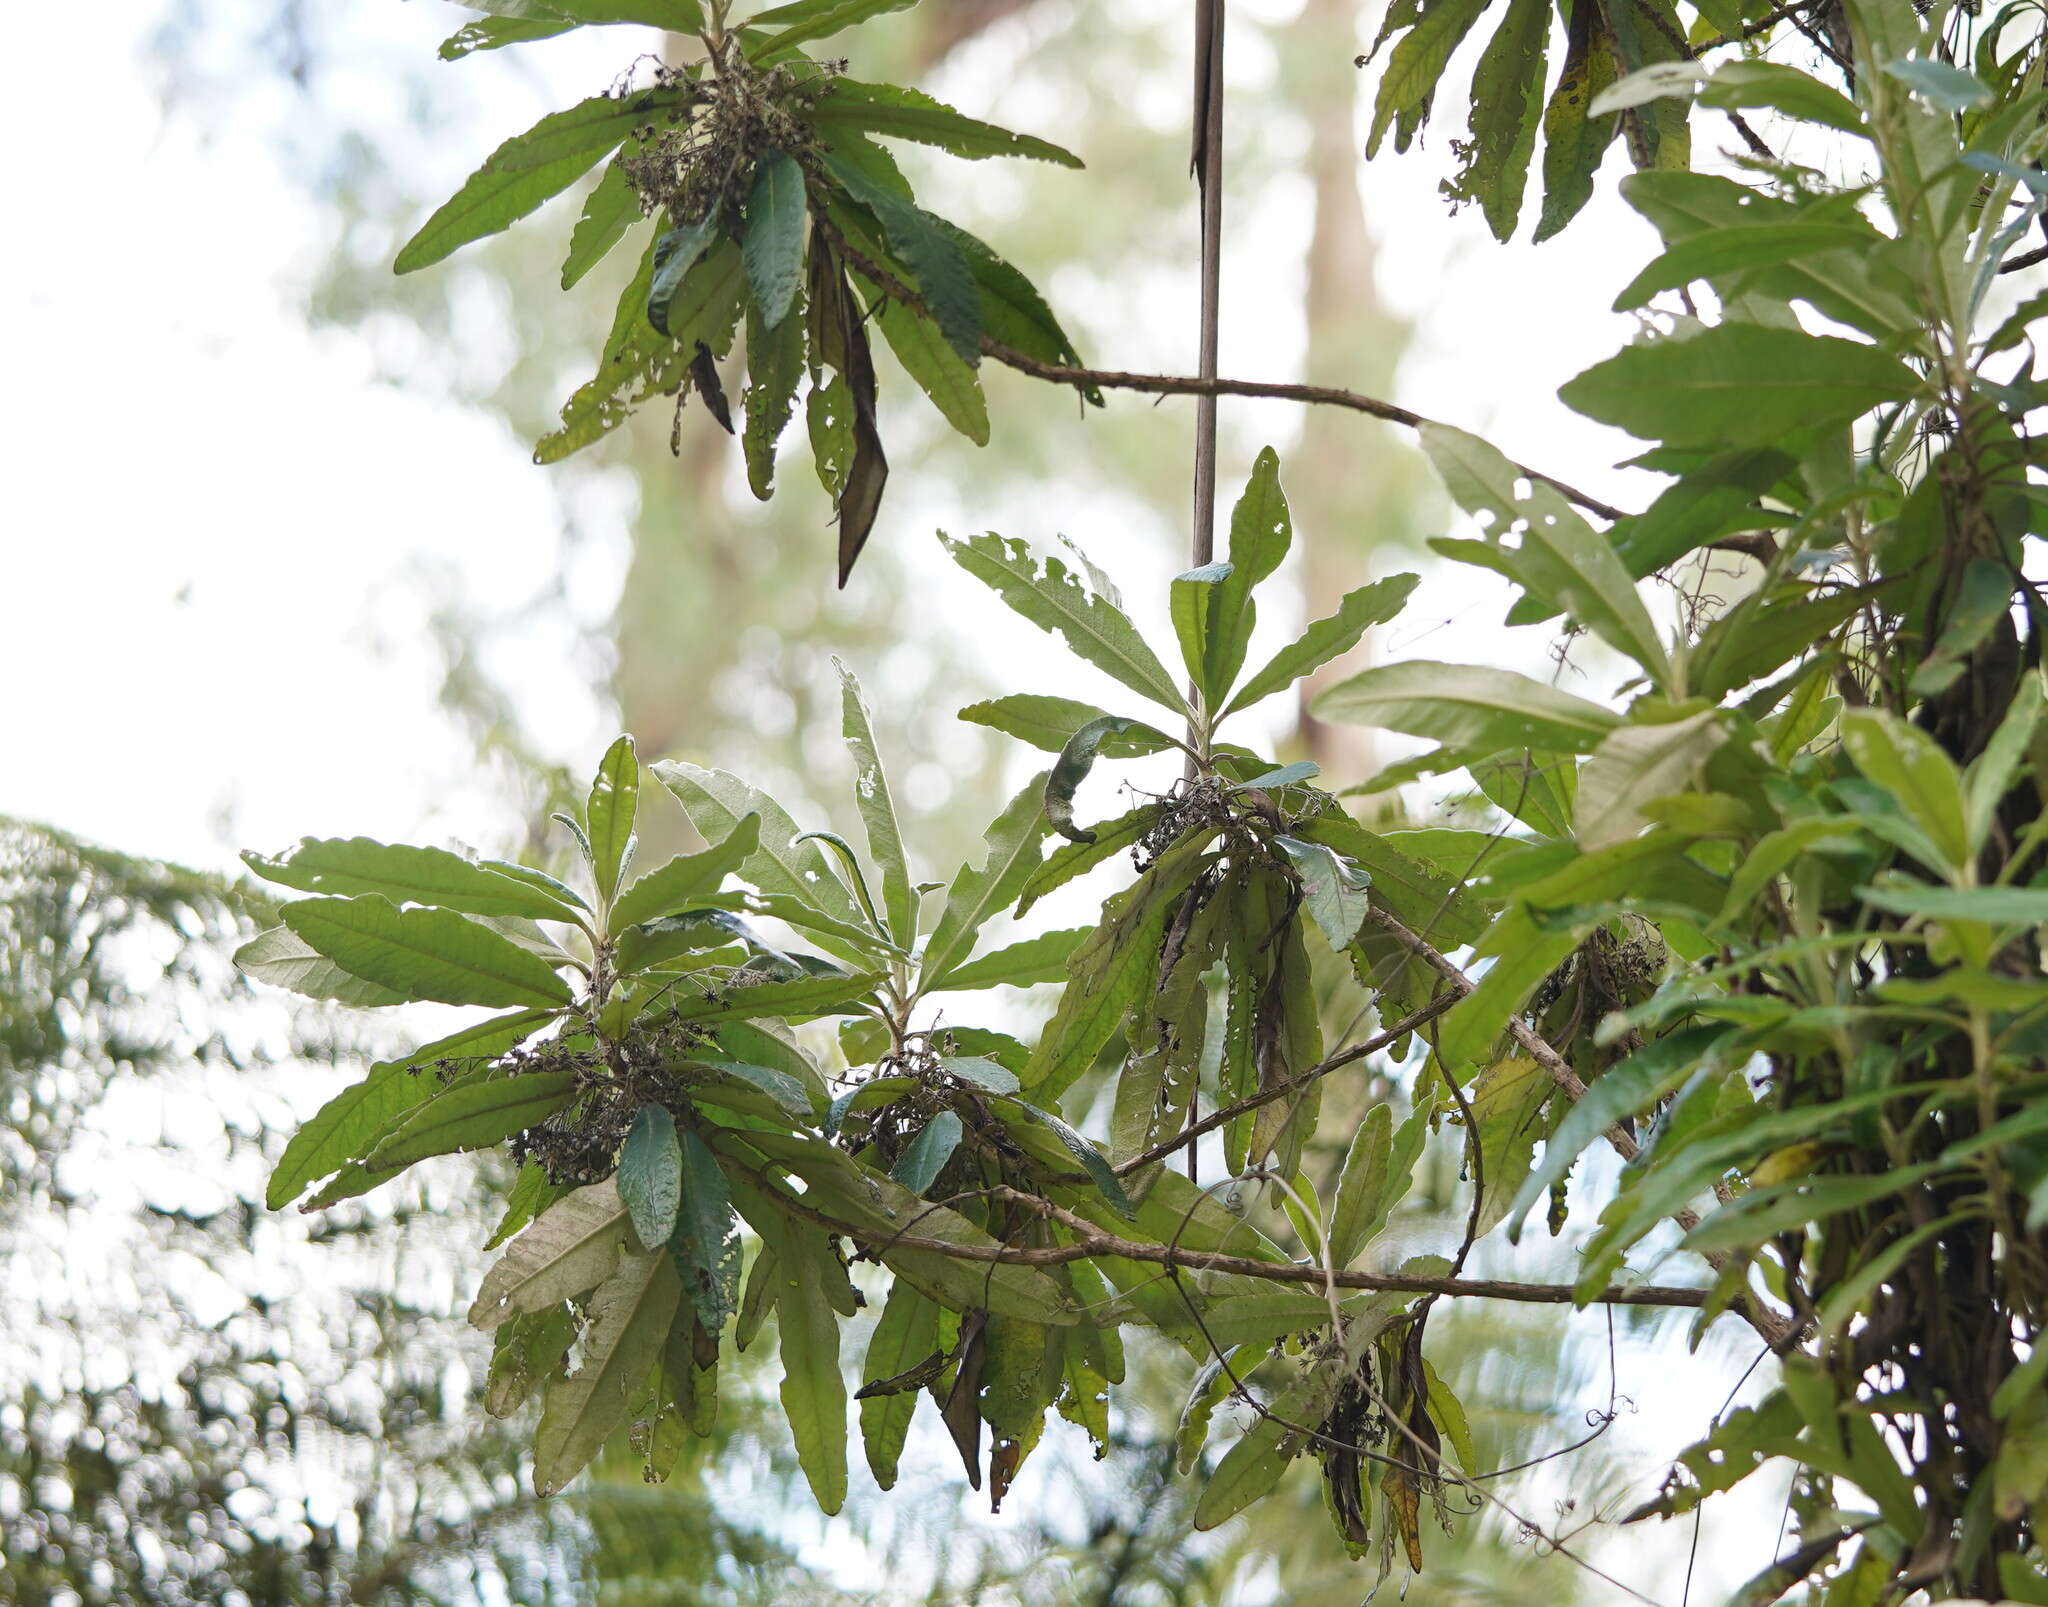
{"type": "Point", "coordinates": [214, 517]}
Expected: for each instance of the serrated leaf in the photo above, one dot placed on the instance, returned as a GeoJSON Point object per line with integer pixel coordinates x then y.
{"type": "Point", "coordinates": [525, 171]}
{"type": "Point", "coordinates": [1507, 89]}
{"type": "Point", "coordinates": [425, 953]}
{"type": "Point", "coordinates": [343, 1129]}
{"type": "Point", "coordinates": [473, 1115]}
{"type": "Point", "coordinates": [611, 209]}
{"type": "Point", "coordinates": [650, 1176]}
{"type": "Point", "coordinates": [629, 1323]}
{"type": "Point", "coordinates": [775, 367]}
{"type": "Point", "coordinates": [1022, 964]}
{"type": "Point", "coordinates": [1738, 385]}
{"type": "Point", "coordinates": [877, 811]}
{"type": "Point", "coordinates": [346, 866]}
{"type": "Point", "coordinates": [805, 20]}
{"type": "Point", "coordinates": [1051, 597]}
{"type": "Point", "coordinates": [570, 1248]}
{"type": "Point", "coordinates": [1467, 706]}
{"type": "Point", "coordinates": [1075, 859]}
{"type": "Point", "coordinates": [687, 877]}
{"type": "Point", "coordinates": [978, 893]}
{"type": "Point", "coordinates": [900, 113]}
{"type": "Point", "coordinates": [1327, 639]}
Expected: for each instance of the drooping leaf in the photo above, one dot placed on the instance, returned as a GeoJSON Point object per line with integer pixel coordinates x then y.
{"type": "Point", "coordinates": [938, 266]}
{"type": "Point", "coordinates": [473, 1115]}
{"type": "Point", "coordinates": [527, 170]}
{"type": "Point", "coordinates": [1076, 759]}
{"type": "Point", "coordinates": [1574, 139]}
{"type": "Point", "coordinates": [425, 953]}
{"type": "Point", "coordinates": [878, 812]}
{"type": "Point", "coordinates": [570, 1248]}
{"type": "Point", "coordinates": [705, 1247]}
{"type": "Point", "coordinates": [629, 1323]}
{"type": "Point", "coordinates": [1053, 598]}
{"type": "Point", "coordinates": [940, 372]}
{"type": "Point", "coordinates": [1507, 89]}
{"type": "Point", "coordinates": [906, 1337]}
{"type": "Point", "coordinates": [675, 254]}
{"type": "Point", "coordinates": [651, 1175]}
{"type": "Point", "coordinates": [926, 1155]}
{"type": "Point", "coordinates": [612, 208]}
{"type": "Point", "coordinates": [773, 247]}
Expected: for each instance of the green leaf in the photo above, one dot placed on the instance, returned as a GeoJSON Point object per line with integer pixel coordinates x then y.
{"type": "Point", "coordinates": [1558, 556]}
{"type": "Point", "coordinates": [1738, 385]}
{"type": "Point", "coordinates": [1333, 889]}
{"type": "Point", "coordinates": [525, 171]}
{"type": "Point", "coordinates": [1261, 530]}
{"type": "Point", "coordinates": [526, 1351]}
{"type": "Point", "coordinates": [1050, 723]}
{"type": "Point", "coordinates": [775, 367]}
{"type": "Point", "coordinates": [1076, 759]}
{"type": "Point", "coordinates": [1469, 706]}
{"type": "Point", "coordinates": [609, 814]}
{"type": "Point", "coordinates": [1991, 773]}
{"type": "Point", "coordinates": [1724, 253]}
{"type": "Point", "coordinates": [899, 113]}
{"type": "Point", "coordinates": [1012, 310]}
{"type": "Point", "coordinates": [1412, 71]}
{"type": "Point", "coordinates": [1191, 596]}
{"type": "Point", "coordinates": [809, 996]}
{"type": "Point", "coordinates": [937, 265]}
{"type": "Point", "coordinates": [906, 1335]}
{"type": "Point", "coordinates": [980, 892]}
{"type": "Point", "coordinates": [716, 803]}
{"type": "Point", "coordinates": [949, 381]}
{"type": "Point", "coordinates": [282, 958]}
{"type": "Point", "coordinates": [425, 953]}
{"type": "Point", "coordinates": [1636, 765]}
{"type": "Point", "coordinates": [1052, 597]}
{"type": "Point", "coordinates": [612, 208]}
{"type": "Point", "coordinates": [1523, 957]}
{"type": "Point", "coordinates": [1327, 639]}
{"type": "Point", "coordinates": [1251, 1467]}
{"type": "Point", "coordinates": [686, 878]}
{"type": "Point", "coordinates": [1099, 1170]}
{"type": "Point", "coordinates": [806, 20]}
{"type": "Point", "coordinates": [704, 1245]}
{"type": "Point", "coordinates": [1062, 865]}
{"type": "Point", "coordinates": [675, 254]}
{"type": "Point", "coordinates": [1739, 85]}
{"type": "Point", "coordinates": [1941, 84]}
{"type": "Point", "coordinates": [1507, 89]}
{"type": "Point", "coordinates": [404, 874]}
{"type": "Point", "coordinates": [1909, 765]}
{"type": "Point", "coordinates": [1377, 1172]}
{"type": "Point", "coordinates": [473, 1115]}
{"type": "Point", "coordinates": [773, 247]}
{"type": "Point", "coordinates": [980, 1072]}
{"type": "Point", "coordinates": [925, 1156]}
{"type": "Point", "coordinates": [630, 1316]}
{"type": "Point", "coordinates": [1997, 906]}
{"type": "Point", "coordinates": [1574, 141]}
{"type": "Point", "coordinates": [343, 1129]}
{"type": "Point", "coordinates": [787, 1091]}
{"type": "Point", "coordinates": [1021, 965]}
{"type": "Point", "coordinates": [650, 1175]}
{"type": "Point", "coordinates": [878, 812]}
{"type": "Point", "coordinates": [571, 1247]}
{"type": "Point", "coordinates": [494, 33]}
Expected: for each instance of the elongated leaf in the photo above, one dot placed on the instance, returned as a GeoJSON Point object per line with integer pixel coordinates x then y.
{"type": "Point", "coordinates": [906, 1335]}
{"type": "Point", "coordinates": [525, 171]}
{"type": "Point", "coordinates": [1261, 531]}
{"type": "Point", "coordinates": [716, 803]}
{"type": "Point", "coordinates": [612, 208]}
{"type": "Point", "coordinates": [1738, 385]}
{"type": "Point", "coordinates": [1507, 89]}
{"type": "Point", "coordinates": [425, 953]}
{"type": "Point", "coordinates": [978, 893]}
{"type": "Point", "coordinates": [650, 1176]}
{"type": "Point", "coordinates": [688, 877]}
{"type": "Point", "coordinates": [630, 1317]}
{"type": "Point", "coordinates": [1091, 1159]}
{"type": "Point", "coordinates": [1637, 764]}
{"type": "Point", "coordinates": [570, 1248]}
{"type": "Point", "coordinates": [773, 248]}
{"type": "Point", "coordinates": [936, 262]}
{"type": "Point", "coordinates": [805, 997]}
{"type": "Point", "coordinates": [787, 1091]}
{"type": "Point", "coordinates": [878, 812]}
{"type": "Point", "coordinates": [1050, 723]}
{"type": "Point", "coordinates": [1468, 706]}
{"type": "Point", "coordinates": [282, 958]}
{"type": "Point", "coordinates": [1192, 596]}
{"type": "Point", "coordinates": [921, 347]}
{"type": "Point", "coordinates": [1334, 889]}
{"type": "Point", "coordinates": [1327, 639]}
{"type": "Point", "coordinates": [926, 1155]}
{"type": "Point", "coordinates": [1021, 965]}
{"type": "Point", "coordinates": [352, 865]}
{"type": "Point", "coordinates": [1998, 906]}
{"type": "Point", "coordinates": [1076, 859]}
{"type": "Point", "coordinates": [1557, 555]}
{"type": "Point", "coordinates": [1729, 251]}
{"type": "Point", "coordinates": [1053, 598]}
{"type": "Point", "coordinates": [1910, 765]}
{"type": "Point", "coordinates": [775, 366]}
{"type": "Point", "coordinates": [494, 33]}
{"type": "Point", "coordinates": [343, 1129]}
{"type": "Point", "coordinates": [1574, 140]}
{"type": "Point", "coordinates": [473, 1115]}
{"type": "Point", "coordinates": [906, 114]}
{"type": "Point", "coordinates": [675, 254]}
{"type": "Point", "coordinates": [609, 815]}
{"type": "Point", "coordinates": [808, 19]}
{"type": "Point", "coordinates": [705, 1247]}
{"type": "Point", "coordinates": [981, 1072]}
{"type": "Point", "coordinates": [1412, 71]}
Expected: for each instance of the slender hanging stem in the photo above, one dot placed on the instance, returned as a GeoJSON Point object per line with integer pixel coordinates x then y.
{"type": "Point", "coordinates": [1208, 165]}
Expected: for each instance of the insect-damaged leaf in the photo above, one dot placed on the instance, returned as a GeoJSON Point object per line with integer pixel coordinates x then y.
{"type": "Point", "coordinates": [651, 1175]}
{"type": "Point", "coordinates": [705, 1245]}
{"type": "Point", "coordinates": [629, 1323]}
{"type": "Point", "coordinates": [1076, 759]}
{"type": "Point", "coordinates": [571, 1247]}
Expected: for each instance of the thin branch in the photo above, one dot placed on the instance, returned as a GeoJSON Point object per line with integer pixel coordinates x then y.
{"type": "Point", "coordinates": [1763, 24]}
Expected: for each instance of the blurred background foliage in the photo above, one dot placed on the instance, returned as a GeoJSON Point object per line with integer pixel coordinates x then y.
{"type": "Point", "coordinates": [195, 1408]}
